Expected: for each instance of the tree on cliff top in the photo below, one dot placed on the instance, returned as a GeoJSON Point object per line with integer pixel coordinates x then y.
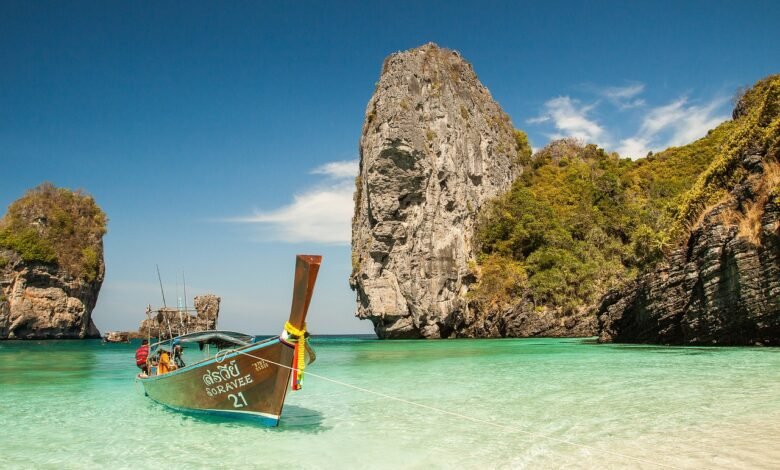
{"type": "Point", "coordinates": [56, 226]}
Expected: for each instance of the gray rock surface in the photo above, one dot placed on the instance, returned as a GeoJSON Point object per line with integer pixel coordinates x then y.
{"type": "Point", "coordinates": [43, 301]}
{"type": "Point", "coordinates": [434, 148]}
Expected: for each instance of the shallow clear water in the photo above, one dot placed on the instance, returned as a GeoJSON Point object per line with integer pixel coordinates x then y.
{"type": "Point", "coordinates": [75, 404]}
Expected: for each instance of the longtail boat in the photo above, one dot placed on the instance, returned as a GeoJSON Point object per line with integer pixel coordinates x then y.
{"type": "Point", "coordinates": [246, 378]}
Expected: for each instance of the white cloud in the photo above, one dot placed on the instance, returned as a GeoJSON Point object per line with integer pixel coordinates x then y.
{"type": "Point", "coordinates": [695, 121]}
{"type": "Point", "coordinates": [339, 169]}
{"type": "Point", "coordinates": [320, 215]}
{"type": "Point", "coordinates": [673, 124]}
{"type": "Point", "coordinates": [663, 116]}
{"type": "Point", "coordinates": [538, 120]}
{"type": "Point", "coordinates": [570, 119]}
{"type": "Point", "coordinates": [626, 92]}
{"type": "Point", "coordinates": [624, 97]}
{"type": "Point", "coordinates": [633, 147]}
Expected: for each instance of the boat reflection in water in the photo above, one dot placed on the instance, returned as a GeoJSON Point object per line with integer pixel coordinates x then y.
{"type": "Point", "coordinates": [246, 378]}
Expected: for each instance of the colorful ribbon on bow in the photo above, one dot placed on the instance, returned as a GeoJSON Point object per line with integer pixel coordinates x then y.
{"type": "Point", "coordinates": [299, 354]}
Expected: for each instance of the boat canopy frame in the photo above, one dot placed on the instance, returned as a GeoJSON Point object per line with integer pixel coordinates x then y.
{"type": "Point", "coordinates": [220, 338]}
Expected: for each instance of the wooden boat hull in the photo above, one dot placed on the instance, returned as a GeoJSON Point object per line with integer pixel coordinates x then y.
{"type": "Point", "coordinates": [239, 384]}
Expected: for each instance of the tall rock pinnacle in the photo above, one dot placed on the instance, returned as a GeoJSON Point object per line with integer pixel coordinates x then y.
{"type": "Point", "coordinates": [434, 148]}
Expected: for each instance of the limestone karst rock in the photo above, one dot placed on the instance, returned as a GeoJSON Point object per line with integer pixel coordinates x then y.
{"type": "Point", "coordinates": [722, 286]}
{"type": "Point", "coordinates": [170, 322]}
{"type": "Point", "coordinates": [51, 265]}
{"type": "Point", "coordinates": [434, 148]}
{"type": "Point", "coordinates": [41, 301]}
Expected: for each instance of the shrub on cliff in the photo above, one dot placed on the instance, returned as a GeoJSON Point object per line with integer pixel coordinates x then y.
{"type": "Point", "coordinates": [523, 147]}
{"type": "Point", "coordinates": [56, 226]}
{"type": "Point", "coordinates": [755, 131]}
{"type": "Point", "coordinates": [563, 222]}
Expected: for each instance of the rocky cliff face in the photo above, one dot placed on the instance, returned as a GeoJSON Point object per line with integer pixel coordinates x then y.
{"type": "Point", "coordinates": [43, 301]}
{"type": "Point", "coordinates": [523, 320]}
{"type": "Point", "coordinates": [719, 289]}
{"type": "Point", "coordinates": [434, 148]}
{"type": "Point", "coordinates": [722, 286]}
{"type": "Point", "coordinates": [51, 265]}
{"type": "Point", "coordinates": [170, 322]}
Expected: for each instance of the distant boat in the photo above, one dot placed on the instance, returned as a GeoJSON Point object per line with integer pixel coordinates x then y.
{"type": "Point", "coordinates": [246, 378]}
{"type": "Point", "coordinates": [116, 337]}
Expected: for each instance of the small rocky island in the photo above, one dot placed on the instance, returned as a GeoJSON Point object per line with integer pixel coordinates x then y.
{"type": "Point", "coordinates": [170, 322]}
{"type": "Point", "coordinates": [459, 231]}
{"type": "Point", "coordinates": [51, 265]}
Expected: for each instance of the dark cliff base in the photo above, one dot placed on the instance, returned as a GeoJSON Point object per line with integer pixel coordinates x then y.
{"type": "Point", "coordinates": [721, 288]}
{"type": "Point", "coordinates": [523, 320]}
{"type": "Point", "coordinates": [519, 321]}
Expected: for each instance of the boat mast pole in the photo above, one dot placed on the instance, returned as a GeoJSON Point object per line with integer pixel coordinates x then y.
{"type": "Point", "coordinates": [148, 337]}
{"type": "Point", "coordinates": [168, 323]}
{"type": "Point", "coordinates": [178, 307]}
{"type": "Point", "coordinates": [184, 283]}
{"type": "Point", "coordinates": [159, 278]}
{"type": "Point", "coordinates": [165, 306]}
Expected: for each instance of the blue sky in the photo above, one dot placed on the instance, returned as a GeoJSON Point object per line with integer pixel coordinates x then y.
{"type": "Point", "coordinates": [221, 138]}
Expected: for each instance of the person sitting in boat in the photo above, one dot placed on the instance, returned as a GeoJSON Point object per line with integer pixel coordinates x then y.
{"type": "Point", "coordinates": [141, 356]}
{"type": "Point", "coordinates": [178, 359]}
{"type": "Point", "coordinates": [164, 363]}
{"type": "Point", "coordinates": [153, 364]}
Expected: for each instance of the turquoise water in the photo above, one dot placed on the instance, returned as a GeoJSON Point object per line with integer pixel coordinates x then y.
{"type": "Point", "coordinates": [69, 404]}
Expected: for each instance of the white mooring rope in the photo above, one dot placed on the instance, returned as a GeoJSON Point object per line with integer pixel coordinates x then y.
{"type": "Point", "coordinates": [469, 418]}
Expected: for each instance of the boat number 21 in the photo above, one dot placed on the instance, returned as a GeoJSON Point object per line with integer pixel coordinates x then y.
{"type": "Point", "coordinates": [238, 400]}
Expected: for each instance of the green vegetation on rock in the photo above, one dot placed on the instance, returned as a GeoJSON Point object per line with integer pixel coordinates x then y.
{"type": "Point", "coordinates": [580, 221]}
{"type": "Point", "coordinates": [30, 244]}
{"type": "Point", "coordinates": [56, 226]}
{"type": "Point", "coordinates": [523, 147]}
